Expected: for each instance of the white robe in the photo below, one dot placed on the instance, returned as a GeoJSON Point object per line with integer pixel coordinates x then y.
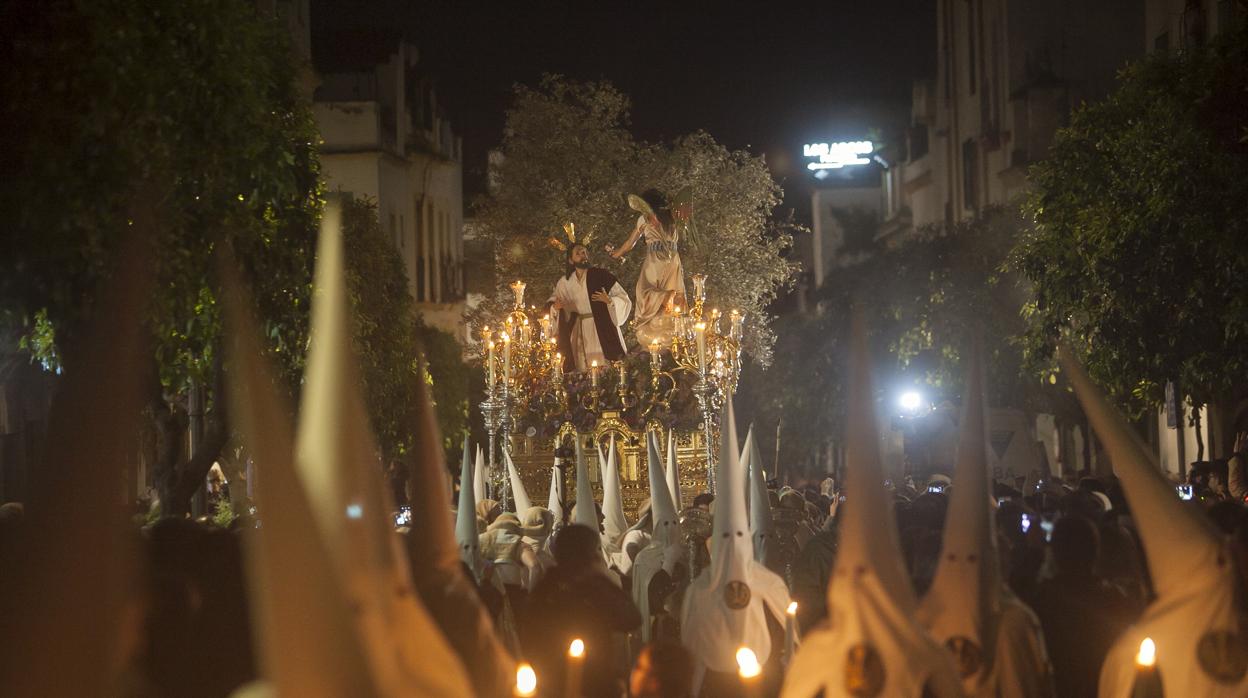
{"type": "Point", "coordinates": [572, 294]}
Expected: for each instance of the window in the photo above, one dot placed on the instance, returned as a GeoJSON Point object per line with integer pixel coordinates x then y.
{"type": "Point", "coordinates": [918, 142]}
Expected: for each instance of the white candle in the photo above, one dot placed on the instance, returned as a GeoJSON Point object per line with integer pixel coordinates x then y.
{"type": "Point", "coordinates": [576, 664]}
{"type": "Point", "coordinates": [593, 373]}
{"type": "Point", "coordinates": [506, 357]}
{"type": "Point", "coordinates": [558, 364]}
{"type": "Point", "coordinates": [699, 331]}
{"type": "Point", "coordinates": [790, 631]}
{"type": "Point", "coordinates": [490, 362]}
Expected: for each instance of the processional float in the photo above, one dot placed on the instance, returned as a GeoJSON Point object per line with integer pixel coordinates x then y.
{"type": "Point", "coordinates": [533, 409]}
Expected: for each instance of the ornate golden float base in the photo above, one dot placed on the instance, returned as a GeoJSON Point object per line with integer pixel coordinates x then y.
{"type": "Point", "coordinates": [536, 457]}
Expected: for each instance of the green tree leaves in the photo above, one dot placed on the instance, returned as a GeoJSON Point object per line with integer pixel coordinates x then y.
{"type": "Point", "coordinates": [1140, 214]}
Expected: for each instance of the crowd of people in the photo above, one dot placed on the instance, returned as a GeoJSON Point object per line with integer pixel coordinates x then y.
{"type": "Point", "coordinates": [946, 584]}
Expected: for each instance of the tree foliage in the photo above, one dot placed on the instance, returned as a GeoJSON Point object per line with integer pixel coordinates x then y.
{"type": "Point", "coordinates": [389, 337]}
{"type": "Point", "coordinates": [567, 155]}
{"type": "Point", "coordinates": [182, 119]}
{"type": "Point", "coordinates": [1141, 212]}
{"type": "Point", "coordinates": [925, 300]}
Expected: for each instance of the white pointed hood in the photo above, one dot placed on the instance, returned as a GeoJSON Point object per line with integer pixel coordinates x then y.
{"type": "Point", "coordinates": [64, 598]}
{"type": "Point", "coordinates": [614, 522]}
{"type": "Point", "coordinates": [665, 540]}
{"type": "Point", "coordinates": [519, 496]}
{"type": "Point", "coordinates": [479, 487]}
{"type": "Point", "coordinates": [554, 501]}
{"type": "Point", "coordinates": [466, 538]}
{"type": "Point", "coordinates": [1195, 619]}
{"type": "Point", "coordinates": [962, 607]}
{"type": "Point", "coordinates": [428, 484]}
{"type": "Point", "coordinates": [872, 644]}
{"type": "Point", "coordinates": [337, 459]}
{"type": "Point", "coordinates": [724, 608]}
{"type": "Point", "coordinates": [663, 514]}
{"type": "Point", "coordinates": [305, 631]}
{"type": "Point", "coordinates": [673, 469]}
{"type": "Point", "coordinates": [762, 527]}
{"type": "Point", "coordinates": [586, 513]}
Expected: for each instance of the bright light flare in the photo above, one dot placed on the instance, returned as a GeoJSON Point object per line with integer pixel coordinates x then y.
{"type": "Point", "coordinates": [1147, 656]}
{"type": "Point", "coordinates": [792, 609]}
{"type": "Point", "coordinates": [747, 663]}
{"type": "Point", "coordinates": [577, 648]}
{"type": "Point", "coordinates": [911, 401]}
{"type": "Point", "coordinates": [526, 680]}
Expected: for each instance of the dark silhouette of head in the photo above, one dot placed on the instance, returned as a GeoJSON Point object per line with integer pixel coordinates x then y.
{"type": "Point", "coordinates": [659, 204]}
{"type": "Point", "coordinates": [1076, 544]}
{"type": "Point", "coordinates": [576, 546]}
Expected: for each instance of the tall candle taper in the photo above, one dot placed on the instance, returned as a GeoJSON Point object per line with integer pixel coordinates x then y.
{"type": "Point", "coordinates": [490, 361]}
{"type": "Point", "coordinates": [1147, 678]}
{"type": "Point", "coordinates": [623, 379]}
{"type": "Point", "coordinates": [654, 355]}
{"type": "Point", "coordinates": [506, 357]}
{"type": "Point", "coordinates": [576, 663]}
{"type": "Point", "coordinates": [790, 631]}
{"type": "Point", "coordinates": [699, 330]}
{"type": "Point", "coordinates": [593, 372]}
{"type": "Point", "coordinates": [558, 364]}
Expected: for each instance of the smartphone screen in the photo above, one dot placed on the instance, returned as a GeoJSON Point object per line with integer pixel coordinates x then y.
{"type": "Point", "coordinates": [1025, 523]}
{"type": "Point", "coordinates": [1185, 491]}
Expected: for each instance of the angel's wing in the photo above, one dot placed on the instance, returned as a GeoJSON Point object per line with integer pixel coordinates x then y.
{"type": "Point", "coordinates": [681, 207]}
{"type": "Point", "coordinates": [639, 205]}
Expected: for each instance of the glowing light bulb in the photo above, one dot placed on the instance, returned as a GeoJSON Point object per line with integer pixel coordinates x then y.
{"type": "Point", "coordinates": [577, 648]}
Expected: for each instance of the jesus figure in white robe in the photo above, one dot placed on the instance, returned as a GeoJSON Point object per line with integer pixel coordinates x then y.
{"type": "Point", "coordinates": [589, 306]}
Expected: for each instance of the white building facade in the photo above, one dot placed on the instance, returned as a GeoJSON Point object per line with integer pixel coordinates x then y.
{"type": "Point", "coordinates": [385, 138]}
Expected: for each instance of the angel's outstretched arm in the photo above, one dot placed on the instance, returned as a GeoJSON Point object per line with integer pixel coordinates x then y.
{"type": "Point", "coordinates": [618, 253]}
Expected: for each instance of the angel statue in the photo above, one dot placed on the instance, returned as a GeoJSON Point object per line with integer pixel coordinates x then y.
{"type": "Point", "coordinates": [661, 283]}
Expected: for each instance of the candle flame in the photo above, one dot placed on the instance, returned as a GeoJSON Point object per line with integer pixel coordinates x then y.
{"type": "Point", "coordinates": [593, 364]}
{"type": "Point", "coordinates": [1148, 653]}
{"type": "Point", "coordinates": [505, 337]}
{"type": "Point", "coordinates": [747, 663]}
{"type": "Point", "coordinates": [701, 327]}
{"type": "Point", "coordinates": [526, 680]}
{"type": "Point", "coordinates": [792, 610]}
{"type": "Point", "coordinates": [577, 648]}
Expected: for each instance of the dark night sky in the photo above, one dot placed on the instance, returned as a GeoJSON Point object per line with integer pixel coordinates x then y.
{"type": "Point", "coordinates": [762, 76]}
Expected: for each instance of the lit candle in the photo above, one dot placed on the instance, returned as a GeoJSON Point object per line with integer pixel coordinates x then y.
{"type": "Point", "coordinates": [486, 334]}
{"type": "Point", "coordinates": [699, 331]}
{"type": "Point", "coordinates": [576, 663]}
{"type": "Point", "coordinates": [545, 326]}
{"type": "Point", "coordinates": [734, 330]}
{"type": "Point", "coordinates": [623, 378]}
{"type": "Point", "coordinates": [654, 353]}
{"type": "Point", "coordinates": [517, 288]}
{"type": "Point", "coordinates": [506, 356]}
{"type": "Point", "coordinates": [790, 631]}
{"type": "Point", "coordinates": [558, 364]}
{"type": "Point", "coordinates": [1147, 678]}
{"type": "Point", "coordinates": [593, 372]}
{"type": "Point", "coordinates": [749, 670]}
{"type": "Point", "coordinates": [490, 361]}
{"type": "Point", "coordinates": [526, 681]}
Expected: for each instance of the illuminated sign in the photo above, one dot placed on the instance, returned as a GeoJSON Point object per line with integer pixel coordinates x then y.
{"type": "Point", "coordinates": [834, 156]}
